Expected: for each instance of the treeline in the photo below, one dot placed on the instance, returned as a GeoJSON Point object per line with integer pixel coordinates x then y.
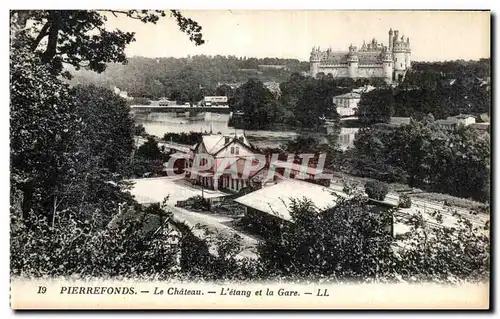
{"type": "Point", "coordinates": [459, 68]}
{"type": "Point", "coordinates": [186, 79]}
{"type": "Point", "coordinates": [440, 88]}
{"type": "Point", "coordinates": [304, 102]}
{"type": "Point", "coordinates": [190, 138]}
{"type": "Point", "coordinates": [427, 156]}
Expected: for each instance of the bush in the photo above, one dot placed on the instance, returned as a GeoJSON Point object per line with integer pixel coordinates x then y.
{"type": "Point", "coordinates": [349, 187]}
{"type": "Point", "coordinates": [376, 190]}
{"type": "Point", "coordinates": [404, 201]}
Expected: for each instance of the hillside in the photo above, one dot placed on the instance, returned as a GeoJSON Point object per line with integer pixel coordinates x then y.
{"type": "Point", "coordinates": [167, 77]}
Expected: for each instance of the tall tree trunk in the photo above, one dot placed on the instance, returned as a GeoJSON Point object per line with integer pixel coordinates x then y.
{"type": "Point", "coordinates": [50, 52]}
{"type": "Point", "coordinates": [27, 203]}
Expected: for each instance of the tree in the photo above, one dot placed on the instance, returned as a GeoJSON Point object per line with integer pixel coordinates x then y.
{"type": "Point", "coordinates": [302, 144]}
{"type": "Point", "coordinates": [347, 242]}
{"type": "Point", "coordinates": [350, 242]}
{"type": "Point", "coordinates": [190, 138]}
{"type": "Point", "coordinates": [79, 37]}
{"type": "Point", "coordinates": [376, 190]}
{"type": "Point", "coordinates": [425, 155]}
{"type": "Point", "coordinates": [404, 201]}
{"type": "Point", "coordinates": [376, 106]}
{"type": "Point", "coordinates": [108, 126]}
{"type": "Point", "coordinates": [307, 102]}
{"type": "Point", "coordinates": [69, 150]}
{"type": "Point", "coordinates": [140, 130]}
{"type": "Point", "coordinates": [257, 103]}
{"type": "Point", "coordinates": [224, 90]}
{"type": "Point", "coordinates": [445, 89]}
{"type": "Point", "coordinates": [43, 121]}
{"type": "Point", "coordinates": [136, 241]}
{"type": "Point", "coordinates": [149, 150]}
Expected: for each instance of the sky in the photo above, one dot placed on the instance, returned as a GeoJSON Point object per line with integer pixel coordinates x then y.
{"type": "Point", "coordinates": [434, 35]}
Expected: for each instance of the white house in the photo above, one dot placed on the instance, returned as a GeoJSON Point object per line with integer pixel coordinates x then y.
{"type": "Point", "coordinates": [465, 119]}
{"type": "Point", "coordinates": [347, 104]}
{"type": "Point", "coordinates": [215, 100]}
{"type": "Point", "coordinates": [453, 121]}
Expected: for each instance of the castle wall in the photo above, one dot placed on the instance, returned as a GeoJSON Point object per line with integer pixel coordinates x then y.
{"type": "Point", "coordinates": [372, 60]}
{"type": "Point", "coordinates": [371, 72]}
{"type": "Point", "coordinates": [336, 72]}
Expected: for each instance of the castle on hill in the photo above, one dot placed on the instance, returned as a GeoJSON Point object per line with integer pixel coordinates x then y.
{"type": "Point", "coordinates": [373, 60]}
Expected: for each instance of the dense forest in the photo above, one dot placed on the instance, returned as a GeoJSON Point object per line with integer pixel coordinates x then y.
{"type": "Point", "coordinates": [303, 103]}
{"type": "Point", "coordinates": [193, 77]}
{"type": "Point", "coordinates": [425, 155]}
{"type": "Point", "coordinates": [439, 88]}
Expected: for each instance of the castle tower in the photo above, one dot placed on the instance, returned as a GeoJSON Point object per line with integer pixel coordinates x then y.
{"type": "Point", "coordinates": [399, 56]}
{"type": "Point", "coordinates": [408, 54]}
{"type": "Point", "coordinates": [352, 62]}
{"type": "Point", "coordinates": [314, 60]}
{"type": "Point", "coordinates": [395, 38]}
{"type": "Point", "coordinates": [391, 33]}
{"type": "Point", "coordinates": [388, 65]}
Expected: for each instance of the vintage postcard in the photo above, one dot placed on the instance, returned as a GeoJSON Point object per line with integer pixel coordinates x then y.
{"type": "Point", "coordinates": [183, 159]}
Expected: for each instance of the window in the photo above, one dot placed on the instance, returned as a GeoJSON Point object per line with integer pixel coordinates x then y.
{"type": "Point", "coordinates": [237, 150]}
{"type": "Point", "coordinates": [232, 149]}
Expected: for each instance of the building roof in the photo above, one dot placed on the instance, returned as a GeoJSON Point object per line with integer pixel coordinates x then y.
{"type": "Point", "coordinates": [276, 199]}
{"type": "Point", "coordinates": [215, 142]}
{"type": "Point", "coordinates": [215, 98]}
{"type": "Point", "coordinates": [350, 95]}
{"type": "Point", "coordinates": [447, 121]}
{"type": "Point", "coordinates": [297, 167]}
{"type": "Point", "coordinates": [463, 116]}
{"type": "Point", "coordinates": [480, 126]}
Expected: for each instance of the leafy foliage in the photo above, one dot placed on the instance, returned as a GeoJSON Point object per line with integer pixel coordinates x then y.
{"type": "Point", "coordinates": [444, 254]}
{"type": "Point", "coordinates": [131, 246]}
{"type": "Point", "coordinates": [70, 211]}
{"type": "Point", "coordinates": [190, 138]}
{"type": "Point", "coordinates": [188, 78]}
{"type": "Point", "coordinates": [427, 156]}
{"type": "Point", "coordinates": [441, 88]}
{"type": "Point", "coordinates": [376, 190]}
{"type": "Point", "coordinates": [376, 106]}
{"type": "Point", "coordinates": [149, 150]}
{"type": "Point", "coordinates": [404, 201]}
{"type": "Point", "coordinates": [350, 242]}
{"type": "Point", "coordinates": [257, 103]}
{"type": "Point", "coordinates": [43, 120]}
{"type": "Point", "coordinates": [139, 101]}
{"type": "Point", "coordinates": [80, 38]}
{"type": "Point", "coordinates": [140, 130]}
